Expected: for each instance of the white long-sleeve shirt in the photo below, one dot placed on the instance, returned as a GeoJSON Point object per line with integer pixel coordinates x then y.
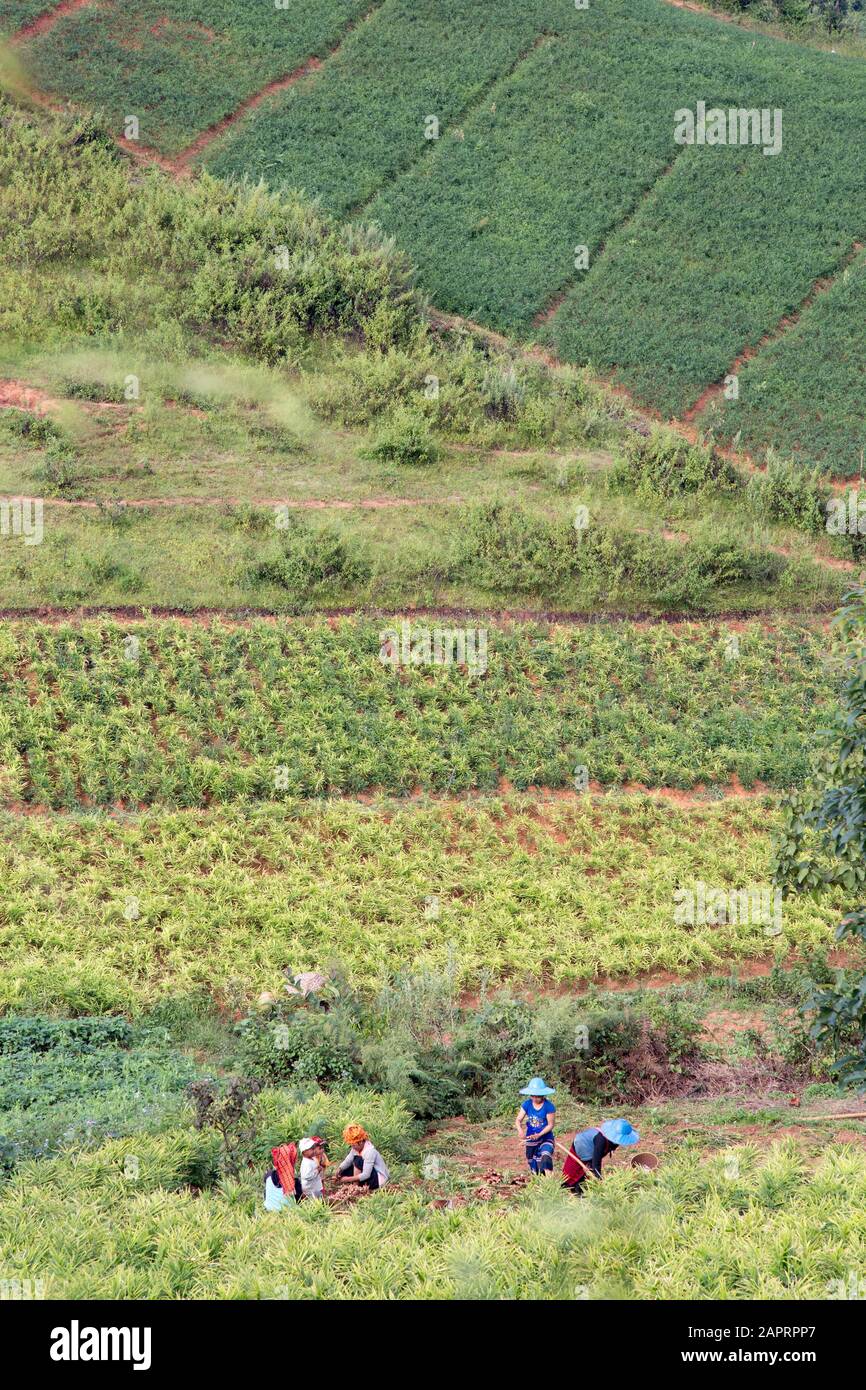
{"type": "Point", "coordinates": [371, 1159]}
{"type": "Point", "coordinates": [311, 1178]}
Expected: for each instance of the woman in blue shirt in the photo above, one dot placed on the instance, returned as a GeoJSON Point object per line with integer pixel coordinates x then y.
{"type": "Point", "coordinates": [535, 1125]}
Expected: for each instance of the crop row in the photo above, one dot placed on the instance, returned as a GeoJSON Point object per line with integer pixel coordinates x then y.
{"type": "Point", "coordinates": [803, 393]}
{"type": "Point", "coordinates": [184, 715]}
{"type": "Point", "coordinates": [180, 65]}
{"type": "Point", "coordinates": [14, 14]}
{"type": "Point", "coordinates": [113, 914]}
{"type": "Point", "coordinates": [780, 1229]}
{"type": "Point", "coordinates": [349, 128]}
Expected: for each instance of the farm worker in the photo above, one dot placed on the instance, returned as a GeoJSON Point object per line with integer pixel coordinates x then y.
{"type": "Point", "coordinates": [281, 1185]}
{"type": "Point", "coordinates": [363, 1164]}
{"type": "Point", "coordinates": [590, 1147]}
{"type": "Point", "coordinates": [313, 1163]}
{"type": "Point", "coordinates": [534, 1124]}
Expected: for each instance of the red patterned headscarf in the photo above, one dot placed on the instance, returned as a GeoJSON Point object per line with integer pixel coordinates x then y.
{"type": "Point", "coordinates": [285, 1158]}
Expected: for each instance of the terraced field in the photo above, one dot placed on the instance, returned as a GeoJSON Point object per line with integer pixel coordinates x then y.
{"type": "Point", "coordinates": [114, 915]}
{"type": "Point", "coordinates": [383, 805]}
{"type": "Point", "coordinates": [180, 66]}
{"type": "Point", "coordinates": [496, 146]}
{"type": "Point", "coordinates": [169, 714]}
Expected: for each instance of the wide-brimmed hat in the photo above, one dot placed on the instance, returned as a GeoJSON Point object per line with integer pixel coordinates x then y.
{"type": "Point", "coordinates": [619, 1132]}
{"type": "Point", "coordinates": [538, 1087]}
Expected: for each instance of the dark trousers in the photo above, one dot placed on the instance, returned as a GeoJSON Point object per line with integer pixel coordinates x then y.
{"type": "Point", "coordinates": [373, 1181]}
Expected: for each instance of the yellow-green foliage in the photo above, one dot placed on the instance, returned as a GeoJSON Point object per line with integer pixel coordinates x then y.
{"type": "Point", "coordinates": [226, 899]}
{"type": "Point", "coordinates": [778, 1229]}
{"type": "Point", "coordinates": [205, 715]}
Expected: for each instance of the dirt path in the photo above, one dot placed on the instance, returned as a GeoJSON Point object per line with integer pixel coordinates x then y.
{"type": "Point", "coordinates": [785, 324]}
{"type": "Point", "coordinates": [296, 504]}
{"type": "Point", "coordinates": [17, 395]}
{"type": "Point", "coordinates": [180, 165]}
{"type": "Point", "coordinates": [739, 618]}
{"type": "Point", "coordinates": [43, 22]}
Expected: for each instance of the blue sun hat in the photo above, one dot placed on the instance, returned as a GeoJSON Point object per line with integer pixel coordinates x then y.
{"type": "Point", "coordinates": [537, 1087]}
{"type": "Point", "coordinates": [619, 1132]}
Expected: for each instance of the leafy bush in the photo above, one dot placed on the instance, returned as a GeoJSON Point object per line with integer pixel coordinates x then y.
{"type": "Point", "coordinates": [360, 387]}
{"type": "Point", "coordinates": [788, 494]}
{"type": "Point", "coordinates": [832, 15]}
{"type": "Point", "coordinates": [298, 1045]}
{"type": "Point", "coordinates": [416, 1042]}
{"type": "Point", "coordinates": [505, 548]}
{"type": "Point", "coordinates": [406, 439]}
{"type": "Point", "coordinates": [261, 268]}
{"type": "Point", "coordinates": [310, 559]}
{"type": "Point", "coordinates": [86, 389]}
{"type": "Point", "coordinates": [664, 464]}
{"type": "Point", "coordinates": [26, 428]}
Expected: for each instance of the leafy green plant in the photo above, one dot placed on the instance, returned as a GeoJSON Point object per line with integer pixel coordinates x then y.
{"type": "Point", "coordinates": [785, 492]}
{"type": "Point", "coordinates": [664, 464]}
{"type": "Point", "coordinates": [75, 1082]}
{"type": "Point", "coordinates": [823, 842]}
{"type": "Point", "coordinates": [406, 439]}
{"type": "Point", "coordinates": [230, 1112]}
{"type": "Point", "coordinates": [309, 560]}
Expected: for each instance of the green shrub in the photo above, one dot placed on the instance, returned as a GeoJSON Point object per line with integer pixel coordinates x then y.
{"type": "Point", "coordinates": [505, 548]}
{"type": "Point", "coordinates": [664, 464]}
{"type": "Point", "coordinates": [788, 494]}
{"type": "Point", "coordinates": [85, 389]}
{"type": "Point", "coordinates": [309, 560]}
{"type": "Point", "coordinates": [405, 438]}
{"type": "Point", "coordinates": [261, 268]}
{"type": "Point", "coordinates": [60, 470]}
{"type": "Point", "coordinates": [360, 387]}
{"type": "Point", "coordinates": [300, 1046]}
{"type": "Point", "coordinates": [33, 430]}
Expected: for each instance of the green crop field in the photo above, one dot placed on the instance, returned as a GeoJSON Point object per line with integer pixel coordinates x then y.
{"type": "Point", "coordinates": [162, 713]}
{"type": "Point", "coordinates": [804, 392]}
{"type": "Point", "coordinates": [784, 1229]}
{"type": "Point", "coordinates": [14, 14]}
{"type": "Point", "coordinates": [729, 280]}
{"type": "Point", "coordinates": [225, 900]}
{"type": "Point", "coordinates": [555, 132]}
{"type": "Point", "coordinates": [180, 65]}
{"type": "Point", "coordinates": [347, 130]}
{"type": "Point", "coordinates": [390, 709]}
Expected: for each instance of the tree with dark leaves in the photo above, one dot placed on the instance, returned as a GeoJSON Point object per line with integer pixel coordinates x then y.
{"type": "Point", "coordinates": [823, 844]}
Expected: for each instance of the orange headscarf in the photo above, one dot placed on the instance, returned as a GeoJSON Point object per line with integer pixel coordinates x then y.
{"type": "Point", "coordinates": [355, 1135]}
{"type": "Point", "coordinates": [285, 1158]}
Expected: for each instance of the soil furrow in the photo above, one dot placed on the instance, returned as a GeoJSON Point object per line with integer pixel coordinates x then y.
{"type": "Point", "coordinates": [785, 324]}
{"type": "Point", "coordinates": [56, 613]}
{"type": "Point", "coordinates": [43, 22]}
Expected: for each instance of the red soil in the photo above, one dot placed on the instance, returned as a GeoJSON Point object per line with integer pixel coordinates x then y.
{"type": "Point", "coordinates": [43, 22]}
{"type": "Point", "coordinates": [783, 326]}
{"type": "Point", "coordinates": [18, 396]}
